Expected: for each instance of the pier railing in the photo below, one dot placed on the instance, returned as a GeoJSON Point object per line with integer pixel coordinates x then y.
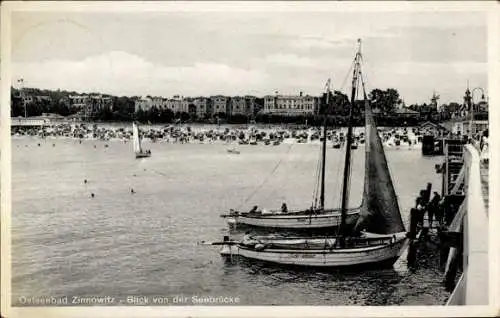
{"type": "Point", "coordinates": [472, 286]}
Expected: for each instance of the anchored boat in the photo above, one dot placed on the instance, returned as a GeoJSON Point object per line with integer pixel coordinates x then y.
{"type": "Point", "coordinates": [139, 152]}
{"type": "Point", "coordinates": [316, 217]}
{"type": "Point", "coordinates": [379, 236]}
{"type": "Point", "coordinates": [233, 151]}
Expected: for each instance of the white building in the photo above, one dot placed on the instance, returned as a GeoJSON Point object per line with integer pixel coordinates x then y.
{"type": "Point", "coordinates": [290, 105]}
{"type": "Point", "coordinates": [178, 104]}
{"type": "Point", "coordinates": [78, 101]}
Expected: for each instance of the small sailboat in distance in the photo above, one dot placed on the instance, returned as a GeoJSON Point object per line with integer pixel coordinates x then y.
{"type": "Point", "coordinates": [378, 238]}
{"type": "Point", "coordinates": [139, 152]}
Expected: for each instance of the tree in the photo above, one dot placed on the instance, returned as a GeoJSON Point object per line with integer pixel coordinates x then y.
{"type": "Point", "coordinates": [338, 104]}
{"type": "Point", "coordinates": [386, 100]}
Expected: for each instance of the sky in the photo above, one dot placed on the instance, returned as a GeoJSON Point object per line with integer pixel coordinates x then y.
{"type": "Point", "coordinates": [199, 53]}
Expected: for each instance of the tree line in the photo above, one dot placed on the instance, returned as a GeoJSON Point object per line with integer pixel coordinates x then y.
{"type": "Point", "coordinates": [335, 106]}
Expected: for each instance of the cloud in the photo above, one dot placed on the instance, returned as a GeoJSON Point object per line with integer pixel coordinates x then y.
{"type": "Point", "coordinates": [416, 81]}
{"type": "Point", "coordinates": [288, 59]}
{"type": "Point", "coordinates": [313, 43]}
{"type": "Point", "coordinates": [123, 73]}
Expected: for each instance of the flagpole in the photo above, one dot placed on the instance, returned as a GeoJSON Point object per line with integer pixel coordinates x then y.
{"type": "Point", "coordinates": [21, 81]}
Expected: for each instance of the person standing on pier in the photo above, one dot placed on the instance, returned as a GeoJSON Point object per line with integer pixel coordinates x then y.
{"type": "Point", "coordinates": [420, 208]}
{"type": "Point", "coordinates": [432, 207]}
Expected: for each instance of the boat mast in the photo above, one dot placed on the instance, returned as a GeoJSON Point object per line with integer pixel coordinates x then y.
{"type": "Point", "coordinates": [323, 154]}
{"type": "Point", "coordinates": [347, 164]}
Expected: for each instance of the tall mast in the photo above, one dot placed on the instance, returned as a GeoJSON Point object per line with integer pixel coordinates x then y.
{"type": "Point", "coordinates": [347, 164]}
{"type": "Point", "coordinates": [323, 154]}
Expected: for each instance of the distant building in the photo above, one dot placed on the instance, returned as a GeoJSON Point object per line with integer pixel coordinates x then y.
{"type": "Point", "coordinates": [290, 105]}
{"type": "Point", "coordinates": [78, 101]}
{"type": "Point", "coordinates": [42, 98]}
{"type": "Point", "coordinates": [178, 104]}
{"type": "Point", "coordinates": [250, 103]}
{"type": "Point", "coordinates": [89, 104]}
{"type": "Point", "coordinates": [220, 104]}
{"type": "Point", "coordinates": [97, 103]}
{"type": "Point", "coordinates": [144, 104]}
{"type": "Point", "coordinates": [158, 102]}
{"type": "Point", "coordinates": [462, 126]}
{"type": "Point", "coordinates": [238, 105]}
{"type": "Point", "coordinates": [406, 113]}
{"type": "Point", "coordinates": [202, 107]}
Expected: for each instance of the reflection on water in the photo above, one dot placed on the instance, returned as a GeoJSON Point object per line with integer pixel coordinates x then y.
{"type": "Point", "coordinates": [145, 243]}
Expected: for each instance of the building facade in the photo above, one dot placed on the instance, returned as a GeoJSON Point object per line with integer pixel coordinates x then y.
{"type": "Point", "coordinates": [178, 104]}
{"type": "Point", "coordinates": [98, 103]}
{"type": "Point", "coordinates": [78, 101]}
{"type": "Point", "coordinates": [202, 107]}
{"type": "Point", "coordinates": [89, 105]}
{"type": "Point", "coordinates": [220, 104]}
{"type": "Point", "coordinates": [250, 105]}
{"type": "Point", "coordinates": [143, 103]}
{"type": "Point", "coordinates": [238, 105]}
{"type": "Point", "coordinates": [290, 105]}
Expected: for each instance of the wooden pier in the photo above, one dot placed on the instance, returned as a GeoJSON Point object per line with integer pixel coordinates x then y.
{"type": "Point", "coordinates": [471, 221]}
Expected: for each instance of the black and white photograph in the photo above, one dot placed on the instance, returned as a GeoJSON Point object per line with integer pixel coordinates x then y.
{"type": "Point", "coordinates": [183, 156]}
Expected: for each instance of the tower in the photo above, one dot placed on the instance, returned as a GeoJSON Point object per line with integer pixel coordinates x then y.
{"type": "Point", "coordinates": [434, 100]}
{"type": "Point", "coordinates": [468, 99]}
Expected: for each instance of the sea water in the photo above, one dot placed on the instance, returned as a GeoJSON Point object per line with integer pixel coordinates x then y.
{"type": "Point", "coordinates": [145, 244]}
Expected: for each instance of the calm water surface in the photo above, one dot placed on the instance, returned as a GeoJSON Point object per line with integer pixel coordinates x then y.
{"type": "Point", "coordinates": [117, 243]}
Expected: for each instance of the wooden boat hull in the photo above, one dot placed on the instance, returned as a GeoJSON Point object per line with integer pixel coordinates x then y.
{"type": "Point", "coordinates": [328, 219]}
{"type": "Point", "coordinates": [142, 155]}
{"type": "Point", "coordinates": [383, 255]}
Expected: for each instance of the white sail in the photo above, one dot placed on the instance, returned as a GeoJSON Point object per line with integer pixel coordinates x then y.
{"type": "Point", "coordinates": [137, 141]}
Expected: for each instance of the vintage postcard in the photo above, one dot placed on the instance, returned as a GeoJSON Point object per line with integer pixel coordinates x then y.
{"type": "Point", "coordinates": [242, 159]}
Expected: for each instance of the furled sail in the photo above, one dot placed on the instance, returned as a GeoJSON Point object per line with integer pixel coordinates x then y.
{"type": "Point", "coordinates": [379, 209]}
{"type": "Point", "coordinates": [137, 142]}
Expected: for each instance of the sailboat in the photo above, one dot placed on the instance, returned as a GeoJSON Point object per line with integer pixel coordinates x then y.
{"type": "Point", "coordinates": [316, 217]}
{"type": "Point", "coordinates": [379, 236]}
{"type": "Point", "coordinates": [139, 152]}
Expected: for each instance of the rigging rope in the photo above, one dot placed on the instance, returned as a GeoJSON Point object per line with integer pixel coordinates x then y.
{"type": "Point", "coordinates": [317, 185]}
{"type": "Point", "coordinates": [267, 178]}
{"type": "Point", "coordinates": [337, 196]}
{"type": "Point", "coordinates": [341, 88]}
{"type": "Point", "coordinates": [273, 192]}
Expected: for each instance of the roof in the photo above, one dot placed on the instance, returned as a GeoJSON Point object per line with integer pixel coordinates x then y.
{"type": "Point", "coordinates": [432, 125]}
{"type": "Point", "coordinates": [406, 111]}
